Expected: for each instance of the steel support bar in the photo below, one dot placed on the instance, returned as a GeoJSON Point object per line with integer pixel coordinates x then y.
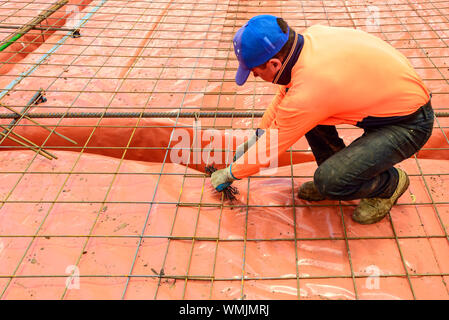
{"type": "Point", "coordinates": [136, 115]}
{"type": "Point", "coordinates": [232, 114]}
{"type": "Point", "coordinates": [76, 33]}
{"type": "Point", "coordinates": [39, 28]}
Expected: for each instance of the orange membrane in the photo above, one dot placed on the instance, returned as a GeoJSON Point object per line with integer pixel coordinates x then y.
{"type": "Point", "coordinates": [126, 214]}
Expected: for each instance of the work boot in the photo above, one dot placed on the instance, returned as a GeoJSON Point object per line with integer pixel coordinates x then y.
{"type": "Point", "coordinates": [371, 210]}
{"type": "Point", "coordinates": [309, 192]}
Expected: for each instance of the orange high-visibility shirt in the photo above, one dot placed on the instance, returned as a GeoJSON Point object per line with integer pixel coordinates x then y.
{"type": "Point", "coordinates": [342, 76]}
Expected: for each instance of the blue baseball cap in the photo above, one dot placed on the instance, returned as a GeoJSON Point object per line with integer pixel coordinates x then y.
{"type": "Point", "coordinates": [257, 42]}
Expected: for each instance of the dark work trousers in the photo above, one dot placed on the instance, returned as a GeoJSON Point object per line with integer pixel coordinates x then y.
{"type": "Point", "coordinates": [364, 169]}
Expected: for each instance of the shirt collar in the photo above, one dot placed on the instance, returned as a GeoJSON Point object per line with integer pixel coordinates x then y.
{"type": "Point", "coordinates": [283, 77]}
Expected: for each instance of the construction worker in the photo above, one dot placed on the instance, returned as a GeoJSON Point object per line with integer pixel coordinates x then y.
{"type": "Point", "coordinates": [329, 76]}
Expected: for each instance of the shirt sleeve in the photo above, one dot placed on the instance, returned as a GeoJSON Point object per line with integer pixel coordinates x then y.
{"type": "Point", "coordinates": [296, 115]}
{"type": "Point", "coordinates": [270, 113]}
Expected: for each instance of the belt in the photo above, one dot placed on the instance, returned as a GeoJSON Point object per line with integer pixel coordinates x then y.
{"type": "Point", "coordinates": [424, 110]}
{"type": "Point", "coordinates": [375, 122]}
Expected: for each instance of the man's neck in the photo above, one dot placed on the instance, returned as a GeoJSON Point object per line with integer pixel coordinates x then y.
{"type": "Point", "coordinates": [283, 77]}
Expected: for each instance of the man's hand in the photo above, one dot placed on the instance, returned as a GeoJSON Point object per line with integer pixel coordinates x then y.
{"type": "Point", "coordinates": [221, 179]}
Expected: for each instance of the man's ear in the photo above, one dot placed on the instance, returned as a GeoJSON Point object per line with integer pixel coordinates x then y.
{"type": "Point", "coordinates": [275, 64]}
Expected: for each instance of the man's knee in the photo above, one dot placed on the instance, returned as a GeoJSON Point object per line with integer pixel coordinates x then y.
{"type": "Point", "coordinates": [331, 182]}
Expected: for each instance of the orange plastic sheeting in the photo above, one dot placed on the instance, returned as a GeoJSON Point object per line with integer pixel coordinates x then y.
{"type": "Point", "coordinates": [255, 241]}
{"type": "Point", "coordinates": [28, 43]}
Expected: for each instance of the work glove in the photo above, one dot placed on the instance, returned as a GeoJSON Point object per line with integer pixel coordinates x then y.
{"type": "Point", "coordinates": [221, 179]}
{"type": "Point", "coordinates": [241, 149]}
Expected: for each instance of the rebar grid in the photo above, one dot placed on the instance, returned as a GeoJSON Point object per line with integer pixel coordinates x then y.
{"type": "Point", "coordinates": [211, 63]}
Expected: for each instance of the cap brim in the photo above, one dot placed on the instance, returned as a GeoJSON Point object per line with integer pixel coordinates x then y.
{"type": "Point", "coordinates": [242, 75]}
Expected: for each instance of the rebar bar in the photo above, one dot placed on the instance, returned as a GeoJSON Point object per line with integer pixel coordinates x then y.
{"type": "Point", "coordinates": [232, 114]}
{"type": "Point", "coordinates": [40, 28]}
{"type": "Point", "coordinates": [221, 114]}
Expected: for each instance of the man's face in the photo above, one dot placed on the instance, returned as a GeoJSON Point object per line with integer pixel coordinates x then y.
{"type": "Point", "coordinates": [268, 71]}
